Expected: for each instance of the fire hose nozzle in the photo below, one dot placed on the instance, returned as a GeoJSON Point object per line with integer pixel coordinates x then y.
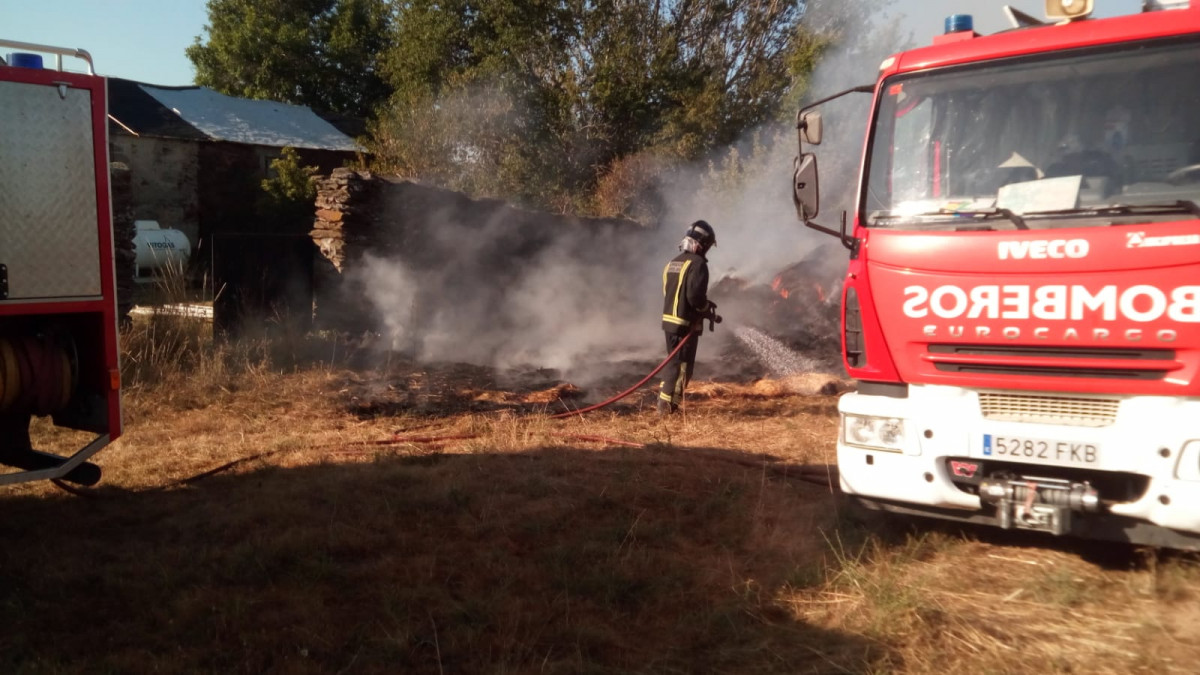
{"type": "Point", "coordinates": [713, 318]}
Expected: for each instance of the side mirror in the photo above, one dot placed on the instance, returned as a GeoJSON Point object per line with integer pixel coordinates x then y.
{"type": "Point", "coordinates": [804, 187]}
{"type": "Point", "coordinates": [810, 127]}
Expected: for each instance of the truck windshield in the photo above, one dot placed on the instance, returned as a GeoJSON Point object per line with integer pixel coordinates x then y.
{"type": "Point", "coordinates": [1070, 140]}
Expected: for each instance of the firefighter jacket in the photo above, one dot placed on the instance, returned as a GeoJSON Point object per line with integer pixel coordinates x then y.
{"type": "Point", "coordinates": [685, 293]}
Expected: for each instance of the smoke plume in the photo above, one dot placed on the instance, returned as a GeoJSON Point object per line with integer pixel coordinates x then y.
{"type": "Point", "coordinates": [513, 290]}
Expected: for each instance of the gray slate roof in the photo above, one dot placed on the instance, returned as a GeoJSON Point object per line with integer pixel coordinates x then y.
{"type": "Point", "coordinates": [199, 113]}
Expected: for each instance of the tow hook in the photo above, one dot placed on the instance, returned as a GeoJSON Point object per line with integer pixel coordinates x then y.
{"type": "Point", "coordinates": [1043, 504]}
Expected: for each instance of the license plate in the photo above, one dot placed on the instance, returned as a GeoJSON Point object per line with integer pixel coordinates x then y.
{"type": "Point", "coordinates": [1040, 450]}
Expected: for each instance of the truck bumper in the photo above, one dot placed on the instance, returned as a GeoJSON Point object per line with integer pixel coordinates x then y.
{"type": "Point", "coordinates": [930, 467]}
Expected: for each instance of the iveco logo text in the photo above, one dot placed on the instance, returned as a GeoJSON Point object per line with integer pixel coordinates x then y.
{"type": "Point", "coordinates": [1043, 248]}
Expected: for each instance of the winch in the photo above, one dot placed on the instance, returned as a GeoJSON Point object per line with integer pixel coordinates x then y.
{"type": "Point", "coordinates": [1036, 503]}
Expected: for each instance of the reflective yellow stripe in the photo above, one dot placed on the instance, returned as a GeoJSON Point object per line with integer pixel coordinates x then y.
{"type": "Point", "coordinates": [674, 319]}
{"type": "Point", "coordinates": [665, 269]}
{"type": "Point", "coordinates": [679, 287]}
{"type": "Point", "coordinates": [681, 382]}
{"type": "Point", "coordinates": [664, 396]}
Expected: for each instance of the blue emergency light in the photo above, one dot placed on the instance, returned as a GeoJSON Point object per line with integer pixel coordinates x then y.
{"type": "Point", "coordinates": [957, 23]}
{"type": "Point", "coordinates": [25, 60]}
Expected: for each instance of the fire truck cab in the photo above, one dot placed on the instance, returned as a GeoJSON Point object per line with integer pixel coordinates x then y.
{"type": "Point", "coordinates": [1022, 303]}
{"type": "Point", "coordinates": [58, 325]}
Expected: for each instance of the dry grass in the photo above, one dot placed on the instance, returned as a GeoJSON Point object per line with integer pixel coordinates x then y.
{"type": "Point", "coordinates": [951, 604]}
{"type": "Point", "coordinates": [410, 519]}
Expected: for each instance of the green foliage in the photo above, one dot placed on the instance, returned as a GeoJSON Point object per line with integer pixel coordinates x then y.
{"type": "Point", "coordinates": [291, 181]}
{"type": "Point", "coordinates": [803, 59]}
{"type": "Point", "coordinates": [563, 89]}
{"type": "Point", "coordinates": [288, 194]}
{"type": "Point", "coordinates": [727, 175]}
{"type": "Point", "coordinates": [536, 101]}
{"type": "Point", "coordinates": [320, 53]}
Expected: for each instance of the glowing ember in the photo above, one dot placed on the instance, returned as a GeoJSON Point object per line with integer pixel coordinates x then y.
{"type": "Point", "coordinates": [777, 286]}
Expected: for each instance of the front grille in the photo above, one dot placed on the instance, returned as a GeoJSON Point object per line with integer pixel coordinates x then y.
{"type": "Point", "coordinates": [1097, 363]}
{"type": "Point", "coordinates": [1125, 353]}
{"type": "Point", "coordinates": [1054, 371]}
{"type": "Point", "coordinates": [1067, 410]}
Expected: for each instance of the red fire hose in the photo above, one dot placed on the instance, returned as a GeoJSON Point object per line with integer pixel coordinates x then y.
{"type": "Point", "coordinates": [630, 390]}
{"type": "Point", "coordinates": [36, 376]}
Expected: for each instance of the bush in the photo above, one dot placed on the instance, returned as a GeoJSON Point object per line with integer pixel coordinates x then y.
{"type": "Point", "coordinates": [287, 199]}
{"type": "Point", "coordinates": [629, 188]}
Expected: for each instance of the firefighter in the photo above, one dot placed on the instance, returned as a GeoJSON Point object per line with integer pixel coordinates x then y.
{"type": "Point", "coordinates": [685, 306]}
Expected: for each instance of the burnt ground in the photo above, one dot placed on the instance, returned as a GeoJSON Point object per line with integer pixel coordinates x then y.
{"type": "Point", "coordinates": [402, 385]}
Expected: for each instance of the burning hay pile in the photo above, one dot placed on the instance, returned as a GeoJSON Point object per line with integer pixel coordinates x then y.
{"type": "Point", "coordinates": [439, 277]}
{"type": "Point", "coordinates": [786, 329]}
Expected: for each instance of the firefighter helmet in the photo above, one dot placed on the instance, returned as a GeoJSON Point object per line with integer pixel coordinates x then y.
{"type": "Point", "coordinates": [703, 233]}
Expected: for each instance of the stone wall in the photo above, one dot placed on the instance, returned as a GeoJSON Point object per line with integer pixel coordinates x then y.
{"type": "Point", "coordinates": [204, 188]}
{"type": "Point", "coordinates": [121, 186]}
{"type": "Point", "coordinates": [467, 251]}
{"type": "Point", "coordinates": [163, 176]}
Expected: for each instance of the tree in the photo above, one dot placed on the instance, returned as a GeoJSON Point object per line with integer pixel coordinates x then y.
{"type": "Point", "coordinates": [320, 53]}
{"type": "Point", "coordinates": [530, 100]}
{"type": "Point", "coordinates": [585, 83]}
{"type": "Point", "coordinates": [472, 109]}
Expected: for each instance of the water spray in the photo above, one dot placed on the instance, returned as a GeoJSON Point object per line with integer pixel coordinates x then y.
{"type": "Point", "coordinates": [779, 360]}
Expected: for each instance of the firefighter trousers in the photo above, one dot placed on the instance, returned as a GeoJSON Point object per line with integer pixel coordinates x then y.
{"type": "Point", "coordinates": [679, 369]}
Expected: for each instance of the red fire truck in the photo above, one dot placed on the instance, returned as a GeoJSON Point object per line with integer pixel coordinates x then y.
{"type": "Point", "coordinates": [1022, 304]}
{"type": "Point", "coordinates": [58, 326]}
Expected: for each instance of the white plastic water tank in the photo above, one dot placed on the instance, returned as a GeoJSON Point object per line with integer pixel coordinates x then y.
{"type": "Point", "coordinates": [156, 247]}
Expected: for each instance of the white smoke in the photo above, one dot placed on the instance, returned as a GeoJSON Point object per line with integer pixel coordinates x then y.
{"type": "Point", "coordinates": [584, 296]}
{"type": "Point", "coordinates": [757, 227]}
{"type": "Point", "coordinates": [393, 294]}
{"type": "Point", "coordinates": [494, 293]}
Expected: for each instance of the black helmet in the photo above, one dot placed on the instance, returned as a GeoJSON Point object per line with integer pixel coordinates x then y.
{"type": "Point", "coordinates": [703, 233]}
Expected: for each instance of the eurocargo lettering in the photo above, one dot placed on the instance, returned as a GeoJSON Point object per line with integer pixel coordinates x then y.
{"type": "Point", "coordinates": [1021, 306]}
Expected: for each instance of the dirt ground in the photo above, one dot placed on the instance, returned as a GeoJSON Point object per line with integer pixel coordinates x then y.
{"type": "Point", "coordinates": [434, 519]}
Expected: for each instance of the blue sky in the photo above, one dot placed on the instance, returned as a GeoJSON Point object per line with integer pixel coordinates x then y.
{"type": "Point", "coordinates": [144, 39]}
{"type": "Point", "coordinates": [137, 39]}
{"type": "Point", "coordinates": [926, 18]}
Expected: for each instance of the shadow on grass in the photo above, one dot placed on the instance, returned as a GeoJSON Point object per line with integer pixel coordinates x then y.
{"type": "Point", "coordinates": [553, 560]}
{"type": "Point", "coordinates": [897, 530]}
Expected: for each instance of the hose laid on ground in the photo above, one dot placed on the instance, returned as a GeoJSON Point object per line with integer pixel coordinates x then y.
{"type": "Point", "coordinates": [630, 390]}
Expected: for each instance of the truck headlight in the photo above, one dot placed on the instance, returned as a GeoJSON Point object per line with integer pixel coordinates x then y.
{"type": "Point", "coordinates": [876, 433]}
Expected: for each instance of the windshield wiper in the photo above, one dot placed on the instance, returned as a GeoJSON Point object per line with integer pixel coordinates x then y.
{"type": "Point", "coordinates": [1165, 208]}
{"type": "Point", "coordinates": [968, 216]}
{"type": "Point", "coordinates": [988, 214]}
